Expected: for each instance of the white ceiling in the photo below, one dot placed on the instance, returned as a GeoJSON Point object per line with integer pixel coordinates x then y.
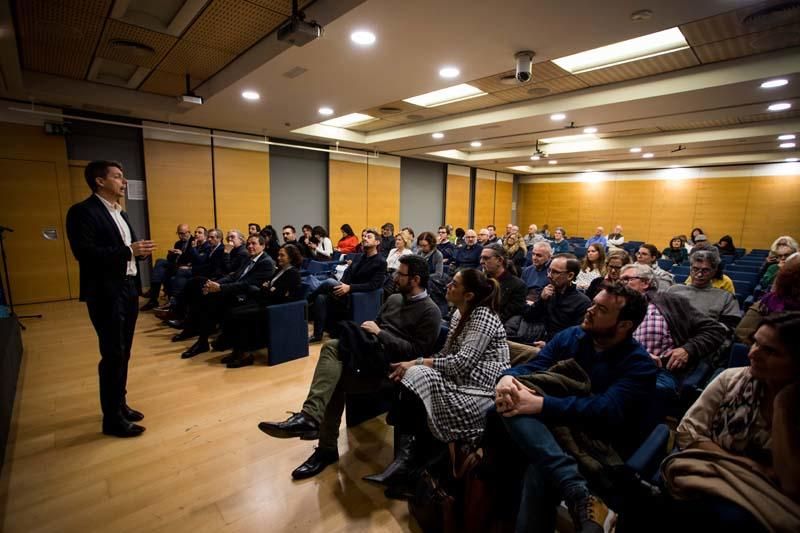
{"type": "Point", "coordinates": [416, 37]}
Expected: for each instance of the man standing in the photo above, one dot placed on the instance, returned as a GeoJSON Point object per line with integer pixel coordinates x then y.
{"type": "Point", "coordinates": [106, 248]}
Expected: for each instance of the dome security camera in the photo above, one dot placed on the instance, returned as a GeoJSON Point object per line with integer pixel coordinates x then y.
{"type": "Point", "coordinates": [524, 62]}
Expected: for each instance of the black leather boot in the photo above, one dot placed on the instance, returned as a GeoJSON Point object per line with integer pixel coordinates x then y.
{"type": "Point", "coordinates": [404, 461]}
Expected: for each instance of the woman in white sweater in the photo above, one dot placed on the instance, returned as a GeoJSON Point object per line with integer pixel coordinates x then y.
{"type": "Point", "coordinates": [400, 249]}
{"type": "Point", "coordinates": [325, 247]}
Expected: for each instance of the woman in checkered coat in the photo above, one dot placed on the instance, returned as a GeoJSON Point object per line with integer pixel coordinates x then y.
{"type": "Point", "coordinates": [456, 386]}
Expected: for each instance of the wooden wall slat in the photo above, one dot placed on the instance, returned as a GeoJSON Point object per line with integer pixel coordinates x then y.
{"type": "Point", "coordinates": [457, 201]}
{"type": "Point", "coordinates": [347, 197]}
{"type": "Point", "coordinates": [484, 202]}
{"type": "Point", "coordinates": [383, 190]}
{"type": "Point", "coordinates": [242, 188]}
{"type": "Point", "coordinates": [504, 193]}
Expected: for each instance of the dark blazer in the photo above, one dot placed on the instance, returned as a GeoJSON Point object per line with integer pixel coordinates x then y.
{"type": "Point", "coordinates": [233, 261]}
{"type": "Point", "coordinates": [287, 288]}
{"type": "Point", "coordinates": [182, 258]}
{"type": "Point", "coordinates": [97, 245]}
{"type": "Point", "coordinates": [251, 282]}
{"type": "Point", "coordinates": [366, 273]}
{"type": "Point", "coordinates": [213, 266]}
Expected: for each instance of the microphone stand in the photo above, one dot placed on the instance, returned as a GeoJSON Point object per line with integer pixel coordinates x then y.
{"type": "Point", "coordinates": [7, 280]}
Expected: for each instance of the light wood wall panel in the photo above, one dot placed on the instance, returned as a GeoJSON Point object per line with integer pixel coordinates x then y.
{"type": "Point", "coordinates": [753, 210]}
{"type": "Point", "coordinates": [347, 196]}
{"type": "Point", "coordinates": [457, 201]}
{"type": "Point", "coordinates": [179, 189]}
{"type": "Point", "coordinates": [484, 202]}
{"type": "Point", "coordinates": [504, 192]}
{"type": "Point", "coordinates": [383, 192]}
{"type": "Point", "coordinates": [36, 160]}
{"type": "Point", "coordinates": [242, 188]}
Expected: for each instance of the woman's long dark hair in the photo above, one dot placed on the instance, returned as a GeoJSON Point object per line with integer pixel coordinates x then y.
{"type": "Point", "coordinates": [486, 291]}
{"type": "Point", "coordinates": [346, 229]}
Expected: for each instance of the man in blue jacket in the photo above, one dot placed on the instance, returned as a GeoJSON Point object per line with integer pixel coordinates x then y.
{"type": "Point", "coordinates": [622, 379]}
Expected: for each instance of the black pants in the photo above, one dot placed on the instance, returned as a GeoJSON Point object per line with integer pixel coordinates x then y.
{"type": "Point", "coordinates": [114, 320]}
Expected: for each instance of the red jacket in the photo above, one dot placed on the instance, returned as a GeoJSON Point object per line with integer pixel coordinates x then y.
{"type": "Point", "coordinates": [347, 245]}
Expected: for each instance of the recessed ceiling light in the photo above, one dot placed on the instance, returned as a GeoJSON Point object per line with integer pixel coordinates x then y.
{"type": "Point", "coordinates": [448, 95]}
{"type": "Point", "coordinates": [345, 121]}
{"type": "Point", "coordinates": [788, 145]}
{"type": "Point", "coordinates": [251, 95]}
{"type": "Point", "coordinates": [449, 72]}
{"type": "Point", "coordinates": [558, 116]}
{"type": "Point", "coordinates": [654, 44]}
{"type": "Point", "coordinates": [791, 160]}
{"type": "Point", "coordinates": [327, 111]}
{"type": "Point", "coordinates": [648, 155]}
{"type": "Point", "coordinates": [552, 162]}
{"type": "Point", "coordinates": [781, 106]}
{"type": "Point", "coordinates": [570, 138]}
{"type": "Point", "coordinates": [589, 130]}
{"type": "Point", "coordinates": [363, 37]}
{"type": "Point", "coordinates": [438, 135]}
{"type": "Point", "coordinates": [476, 144]}
{"type": "Point", "coordinates": [635, 150]}
{"type": "Point", "coordinates": [675, 166]}
{"type": "Point", "coordinates": [771, 84]}
{"type": "Point", "coordinates": [787, 137]}
{"type": "Point", "coordinates": [535, 158]}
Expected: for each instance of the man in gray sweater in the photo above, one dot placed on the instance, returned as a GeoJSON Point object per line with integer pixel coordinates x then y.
{"type": "Point", "coordinates": [407, 326]}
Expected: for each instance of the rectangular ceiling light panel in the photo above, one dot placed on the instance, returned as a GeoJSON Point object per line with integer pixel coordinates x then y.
{"type": "Point", "coordinates": [347, 121]}
{"type": "Point", "coordinates": [456, 93]}
{"type": "Point", "coordinates": [654, 44]}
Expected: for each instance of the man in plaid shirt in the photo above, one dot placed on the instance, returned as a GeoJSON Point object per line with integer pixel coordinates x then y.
{"type": "Point", "coordinates": [675, 334]}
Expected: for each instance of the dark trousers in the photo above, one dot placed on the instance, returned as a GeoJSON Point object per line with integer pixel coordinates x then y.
{"type": "Point", "coordinates": [162, 271]}
{"type": "Point", "coordinates": [114, 320]}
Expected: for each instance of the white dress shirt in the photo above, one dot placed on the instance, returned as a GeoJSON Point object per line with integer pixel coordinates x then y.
{"type": "Point", "coordinates": [115, 210]}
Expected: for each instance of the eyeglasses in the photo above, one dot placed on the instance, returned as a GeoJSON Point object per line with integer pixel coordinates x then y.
{"type": "Point", "coordinates": [441, 231]}
{"type": "Point", "coordinates": [555, 272]}
{"type": "Point", "coordinates": [642, 253]}
{"type": "Point", "coordinates": [701, 271]}
{"type": "Point", "coordinates": [398, 273]}
{"type": "Point", "coordinates": [783, 257]}
{"type": "Point", "coordinates": [626, 279]}
{"type": "Point", "coordinates": [614, 268]}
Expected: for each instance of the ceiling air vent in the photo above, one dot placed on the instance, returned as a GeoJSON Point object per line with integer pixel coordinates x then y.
{"type": "Point", "coordinates": [138, 49]}
{"type": "Point", "coordinates": [772, 16]}
{"type": "Point", "coordinates": [295, 72]}
{"type": "Point", "coordinates": [389, 110]}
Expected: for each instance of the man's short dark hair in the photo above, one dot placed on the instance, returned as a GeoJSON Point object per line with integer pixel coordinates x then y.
{"type": "Point", "coordinates": [98, 169]}
{"type": "Point", "coordinates": [635, 306]}
{"type": "Point", "coordinates": [205, 230]}
{"type": "Point", "coordinates": [388, 226]}
{"type": "Point", "coordinates": [497, 249]}
{"type": "Point", "coordinates": [374, 232]}
{"type": "Point", "coordinates": [573, 263]}
{"type": "Point", "coordinates": [261, 240]}
{"type": "Point", "coordinates": [428, 237]}
{"type": "Point", "coordinates": [417, 266]}
{"type": "Point", "coordinates": [290, 227]}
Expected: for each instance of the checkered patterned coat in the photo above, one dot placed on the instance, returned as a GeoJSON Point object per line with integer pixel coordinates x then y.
{"type": "Point", "coordinates": [459, 388]}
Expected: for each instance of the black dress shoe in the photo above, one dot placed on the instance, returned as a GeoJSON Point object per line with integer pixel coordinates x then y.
{"type": "Point", "coordinates": [131, 415]}
{"type": "Point", "coordinates": [122, 429]}
{"type": "Point", "coordinates": [197, 348]}
{"type": "Point", "coordinates": [148, 306]}
{"type": "Point", "coordinates": [245, 360]}
{"type": "Point", "coordinates": [177, 324]}
{"type": "Point", "coordinates": [315, 464]}
{"type": "Point", "coordinates": [297, 425]}
{"type": "Point", "coordinates": [220, 344]}
{"type": "Point", "coordinates": [184, 335]}
{"type": "Point", "coordinates": [230, 357]}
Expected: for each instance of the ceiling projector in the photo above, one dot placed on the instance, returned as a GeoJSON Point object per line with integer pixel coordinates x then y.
{"type": "Point", "coordinates": [299, 32]}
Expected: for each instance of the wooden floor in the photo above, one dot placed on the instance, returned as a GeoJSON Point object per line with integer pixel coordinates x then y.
{"type": "Point", "coordinates": [202, 464]}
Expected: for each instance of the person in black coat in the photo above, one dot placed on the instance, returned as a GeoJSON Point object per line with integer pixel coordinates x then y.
{"type": "Point", "coordinates": [227, 292]}
{"type": "Point", "coordinates": [244, 328]}
{"type": "Point", "coordinates": [106, 247]}
{"type": "Point", "coordinates": [163, 269]}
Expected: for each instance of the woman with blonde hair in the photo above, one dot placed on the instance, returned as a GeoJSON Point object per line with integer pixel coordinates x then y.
{"type": "Point", "coordinates": [515, 251]}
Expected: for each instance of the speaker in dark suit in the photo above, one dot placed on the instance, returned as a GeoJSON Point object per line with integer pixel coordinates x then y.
{"type": "Point", "coordinates": [106, 247]}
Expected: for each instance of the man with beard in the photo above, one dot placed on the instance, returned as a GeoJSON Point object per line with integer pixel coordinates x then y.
{"type": "Point", "coordinates": [621, 377]}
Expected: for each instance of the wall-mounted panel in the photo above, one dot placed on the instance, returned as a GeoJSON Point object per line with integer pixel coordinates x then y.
{"type": "Point", "coordinates": [347, 199]}
{"type": "Point", "coordinates": [633, 210]}
{"type": "Point", "coordinates": [457, 199]}
{"type": "Point", "coordinates": [503, 198]}
{"type": "Point", "coordinates": [383, 193]}
{"type": "Point", "coordinates": [484, 198]}
{"type": "Point", "coordinates": [242, 187]}
{"type": "Point", "coordinates": [595, 206]}
{"type": "Point", "coordinates": [421, 194]}
{"type": "Point", "coordinates": [298, 187]}
{"type": "Point", "coordinates": [721, 206]}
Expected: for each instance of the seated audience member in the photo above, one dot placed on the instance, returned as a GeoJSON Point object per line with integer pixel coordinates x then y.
{"type": "Point", "coordinates": [243, 326]}
{"type": "Point", "coordinates": [726, 246]}
{"type": "Point", "coordinates": [214, 265]}
{"type": "Point", "coordinates": [272, 242]}
{"type": "Point", "coordinates": [719, 281]}
{"type": "Point", "coordinates": [675, 334]}
{"type": "Point", "coordinates": [290, 235]}
{"type": "Point", "coordinates": [444, 398]}
{"type": "Point", "coordinates": [163, 269]}
{"type": "Point", "coordinates": [616, 240]}
{"type": "Point", "coordinates": [615, 260]}
{"type": "Point", "coordinates": [400, 249]}
{"type": "Point", "coordinates": [676, 252]}
{"type": "Point", "coordinates": [221, 295]}
{"type": "Point", "coordinates": [349, 242]}
{"type": "Point", "coordinates": [598, 238]}
{"type": "Point", "coordinates": [387, 239]}
{"type": "Point", "coordinates": [493, 237]}
{"type": "Point", "coordinates": [607, 406]}
{"type": "Point", "coordinates": [483, 236]}
{"type": "Point", "coordinates": [535, 275]}
{"type": "Point", "coordinates": [560, 243]}
{"type": "Point", "coordinates": [235, 250]}
{"type": "Point", "coordinates": [533, 236]}
{"type": "Point", "coordinates": [546, 232]}
{"type": "Point", "coordinates": [445, 245]}
{"type": "Point", "coordinates": [410, 236]}
{"type": "Point", "coordinates": [593, 266]}
{"type": "Point", "coordinates": [716, 303]}
{"type": "Point", "coordinates": [737, 469]}
{"type": "Point", "coordinates": [469, 255]}
{"type": "Point", "coordinates": [253, 229]}
{"type": "Point", "coordinates": [325, 246]}
{"type": "Point", "coordinates": [692, 238]}
{"type": "Point", "coordinates": [781, 248]}
{"type": "Point", "coordinates": [426, 248]}
{"type": "Point", "coordinates": [407, 326]}
{"type": "Point", "coordinates": [648, 255]}
{"type": "Point", "coordinates": [701, 243]}
{"type": "Point", "coordinates": [331, 299]}
{"type": "Point", "coordinates": [784, 296]}
{"type": "Point", "coordinates": [512, 289]}
{"type": "Point", "coordinates": [195, 256]}
{"type": "Point", "coordinates": [305, 235]}
{"type": "Point", "coordinates": [460, 233]}
{"type": "Point", "coordinates": [515, 251]}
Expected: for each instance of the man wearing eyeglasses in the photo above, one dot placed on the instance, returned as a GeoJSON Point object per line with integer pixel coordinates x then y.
{"type": "Point", "coordinates": [469, 255]}
{"type": "Point", "coordinates": [445, 246]}
{"type": "Point", "coordinates": [715, 303]}
{"type": "Point", "coordinates": [675, 334]}
{"type": "Point", "coordinates": [163, 269]}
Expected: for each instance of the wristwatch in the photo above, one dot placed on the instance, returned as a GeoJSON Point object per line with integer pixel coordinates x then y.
{"type": "Point", "coordinates": [419, 361]}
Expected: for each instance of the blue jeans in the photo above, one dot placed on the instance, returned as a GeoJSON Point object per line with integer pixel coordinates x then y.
{"type": "Point", "coordinates": [322, 297]}
{"type": "Point", "coordinates": [550, 468]}
{"type": "Point", "coordinates": [666, 385]}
